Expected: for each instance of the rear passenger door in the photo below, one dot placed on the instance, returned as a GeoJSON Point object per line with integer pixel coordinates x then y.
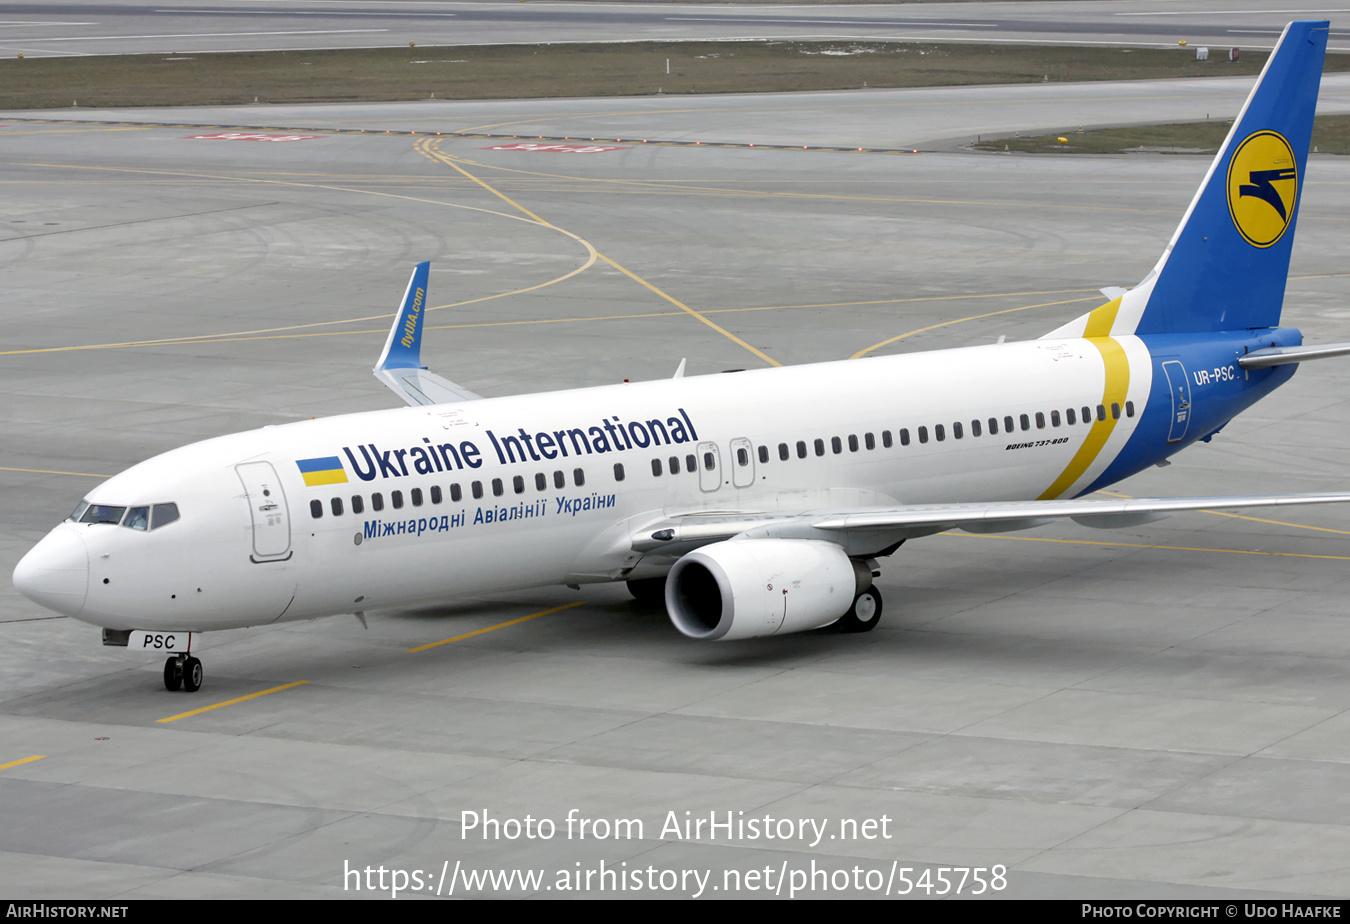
{"type": "Point", "coordinates": [742, 462]}
{"type": "Point", "coordinates": [709, 467]}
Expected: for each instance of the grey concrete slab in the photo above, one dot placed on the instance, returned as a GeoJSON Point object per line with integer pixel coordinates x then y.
{"type": "Point", "coordinates": [931, 653]}
{"type": "Point", "coordinates": [79, 879]}
{"type": "Point", "coordinates": [1306, 627]}
{"type": "Point", "coordinates": [105, 27]}
{"type": "Point", "coordinates": [1259, 787]}
{"type": "Point", "coordinates": [814, 698]}
{"type": "Point", "coordinates": [87, 823]}
{"type": "Point", "coordinates": [1020, 702]}
{"type": "Point", "coordinates": [940, 828]}
{"type": "Point", "coordinates": [345, 777]}
{"type": "Point", "coordinates": [1323, 741]}
{"type": "Point", "coordinates": [1216, 852]}
{"type": "Point", "coordinates": [1257, 677]}
{"type": "Point", "coordinates": [1156, 721]}
{"type": "Point", "coordinates": [1035, 771]}
{"type": "Point", "coordinates": [739, 747]}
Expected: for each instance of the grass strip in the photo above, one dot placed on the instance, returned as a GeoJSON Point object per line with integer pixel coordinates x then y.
{"type": "Point", "coordinates": [1331, 135]}
{"type": "Point", "coordinates": [533, 71]}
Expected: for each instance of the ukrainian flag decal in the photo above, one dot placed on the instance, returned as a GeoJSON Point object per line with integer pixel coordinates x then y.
{"type": "Point", "coordinates": [1262, 187]}
{"type": "Point", "coordinates": [327, 470]}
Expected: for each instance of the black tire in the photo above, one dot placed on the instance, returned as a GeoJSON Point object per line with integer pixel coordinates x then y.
{"type": "Point", "coordinates": [173, 675]}
{"type": "Point", "coordinates": [192, 675]}
{"type": "Point", "coordinates": [649, 592]}
{"type": "Point", "coordinates": [864, 614]}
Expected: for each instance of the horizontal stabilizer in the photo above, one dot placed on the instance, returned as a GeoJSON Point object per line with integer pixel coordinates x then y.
{"type": "Point", "coordinates": [400, 365]}
{"type": "Point", "coordinates": [1283, 356]}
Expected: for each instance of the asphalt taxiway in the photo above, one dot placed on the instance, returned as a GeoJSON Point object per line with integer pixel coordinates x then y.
{"type": "Point", "coordinates": [83, 27]}
{"type": "Point", "coordinates": [1152, 712]}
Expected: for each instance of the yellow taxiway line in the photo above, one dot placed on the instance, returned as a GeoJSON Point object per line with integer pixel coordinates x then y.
{"type": "Point", "coordinates": [500, 625]}
{"type": "Point", "coordinates": [231, 702]}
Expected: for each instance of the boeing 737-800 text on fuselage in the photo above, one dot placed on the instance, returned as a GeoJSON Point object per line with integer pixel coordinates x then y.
{"type": "Point", "coordinates": [759, 503]}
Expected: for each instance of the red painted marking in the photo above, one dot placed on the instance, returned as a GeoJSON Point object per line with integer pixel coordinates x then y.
{"type": "Point", "coordinates": [251, 136]}
{"type": "Point", "coordinates": [556, 148]}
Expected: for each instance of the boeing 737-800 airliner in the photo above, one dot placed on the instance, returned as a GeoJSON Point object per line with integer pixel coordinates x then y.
{"type": "Point", "coordinates": [755, 504]}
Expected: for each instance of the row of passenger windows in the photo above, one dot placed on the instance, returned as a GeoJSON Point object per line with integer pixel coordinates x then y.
{"type": "Point", "coordinates": [436, 495]}
{"type": "Point", "coordinates": [958, 430]}
{"type": "Point", "coordinates": [690, 463]}
{"type": "Point", "coordinates": [938, 433]}
{"type": "Point", "coordinates": [417, 497]}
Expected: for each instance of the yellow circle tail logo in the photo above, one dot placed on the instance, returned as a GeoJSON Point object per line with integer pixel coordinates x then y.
{"type": "Point", "coordinates": [1262, 187]}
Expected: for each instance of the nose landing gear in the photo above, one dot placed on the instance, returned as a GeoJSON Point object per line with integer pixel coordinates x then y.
{"type": "Point", "coordinates": [183, 671]}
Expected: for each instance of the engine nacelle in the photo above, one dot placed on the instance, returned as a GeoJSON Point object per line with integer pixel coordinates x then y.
{"type": "Point", "coordinates": [746, 588]}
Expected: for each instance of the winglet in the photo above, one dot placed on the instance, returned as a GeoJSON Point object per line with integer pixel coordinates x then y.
{"type": "Point", "coordinates": [403, 349]}
{"type": "Point", "coordinates": [400, 365]}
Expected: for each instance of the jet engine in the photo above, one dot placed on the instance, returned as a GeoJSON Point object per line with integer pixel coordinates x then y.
{"type": "Point", "coordinates": [746, 588]}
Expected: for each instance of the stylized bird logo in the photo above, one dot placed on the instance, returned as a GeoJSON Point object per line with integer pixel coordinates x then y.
{"type": "Point", "coordinates": [1261, 187]}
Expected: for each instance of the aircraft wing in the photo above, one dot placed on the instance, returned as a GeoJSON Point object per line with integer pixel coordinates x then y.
{"type": "Point", "coordinates": [400, 365]}
{"type": "Point", "coordinates": [422, 386]}
{"type": "Point", "coordinates": [867, 524]}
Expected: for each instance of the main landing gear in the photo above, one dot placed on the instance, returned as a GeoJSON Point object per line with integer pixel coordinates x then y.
{"type": "Point", "coordinates": [864, 614]}
{"type": "Point", "coordinates": [183, 671]}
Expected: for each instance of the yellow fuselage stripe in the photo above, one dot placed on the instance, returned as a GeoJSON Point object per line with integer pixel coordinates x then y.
{"type": "Point", "coordinates": [1117, 385]}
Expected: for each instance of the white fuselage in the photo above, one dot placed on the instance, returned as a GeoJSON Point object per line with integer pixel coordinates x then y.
{"type": "Point", "coordinates": [249, 548]}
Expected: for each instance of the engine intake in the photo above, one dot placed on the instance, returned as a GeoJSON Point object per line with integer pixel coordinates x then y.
{"type": "Point", "coordinates": [747, 588]}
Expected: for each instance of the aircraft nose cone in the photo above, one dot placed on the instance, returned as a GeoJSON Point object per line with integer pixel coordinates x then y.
{"type": "Point", "coordinates": [55, 572]}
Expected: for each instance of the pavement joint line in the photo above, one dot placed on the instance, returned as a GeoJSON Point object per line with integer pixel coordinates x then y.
{"type": "Point", "coordinates": [500, 625]}
{"type": "Point", "coordinates": [487, 136]}
{"type": "Point", "coordinates": [26, 760]}
{"type": "Point", "coordinates": [230, 702]}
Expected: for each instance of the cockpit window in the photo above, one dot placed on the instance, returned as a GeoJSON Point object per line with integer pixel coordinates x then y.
{"type": "Point", "coordinates": [143, 518]}
{"type": "Point", "coordinates": [102, 513]}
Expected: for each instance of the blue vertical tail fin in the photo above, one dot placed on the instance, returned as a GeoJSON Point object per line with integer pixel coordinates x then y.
{"type": "Point", "coordinates": [1226, 265]}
